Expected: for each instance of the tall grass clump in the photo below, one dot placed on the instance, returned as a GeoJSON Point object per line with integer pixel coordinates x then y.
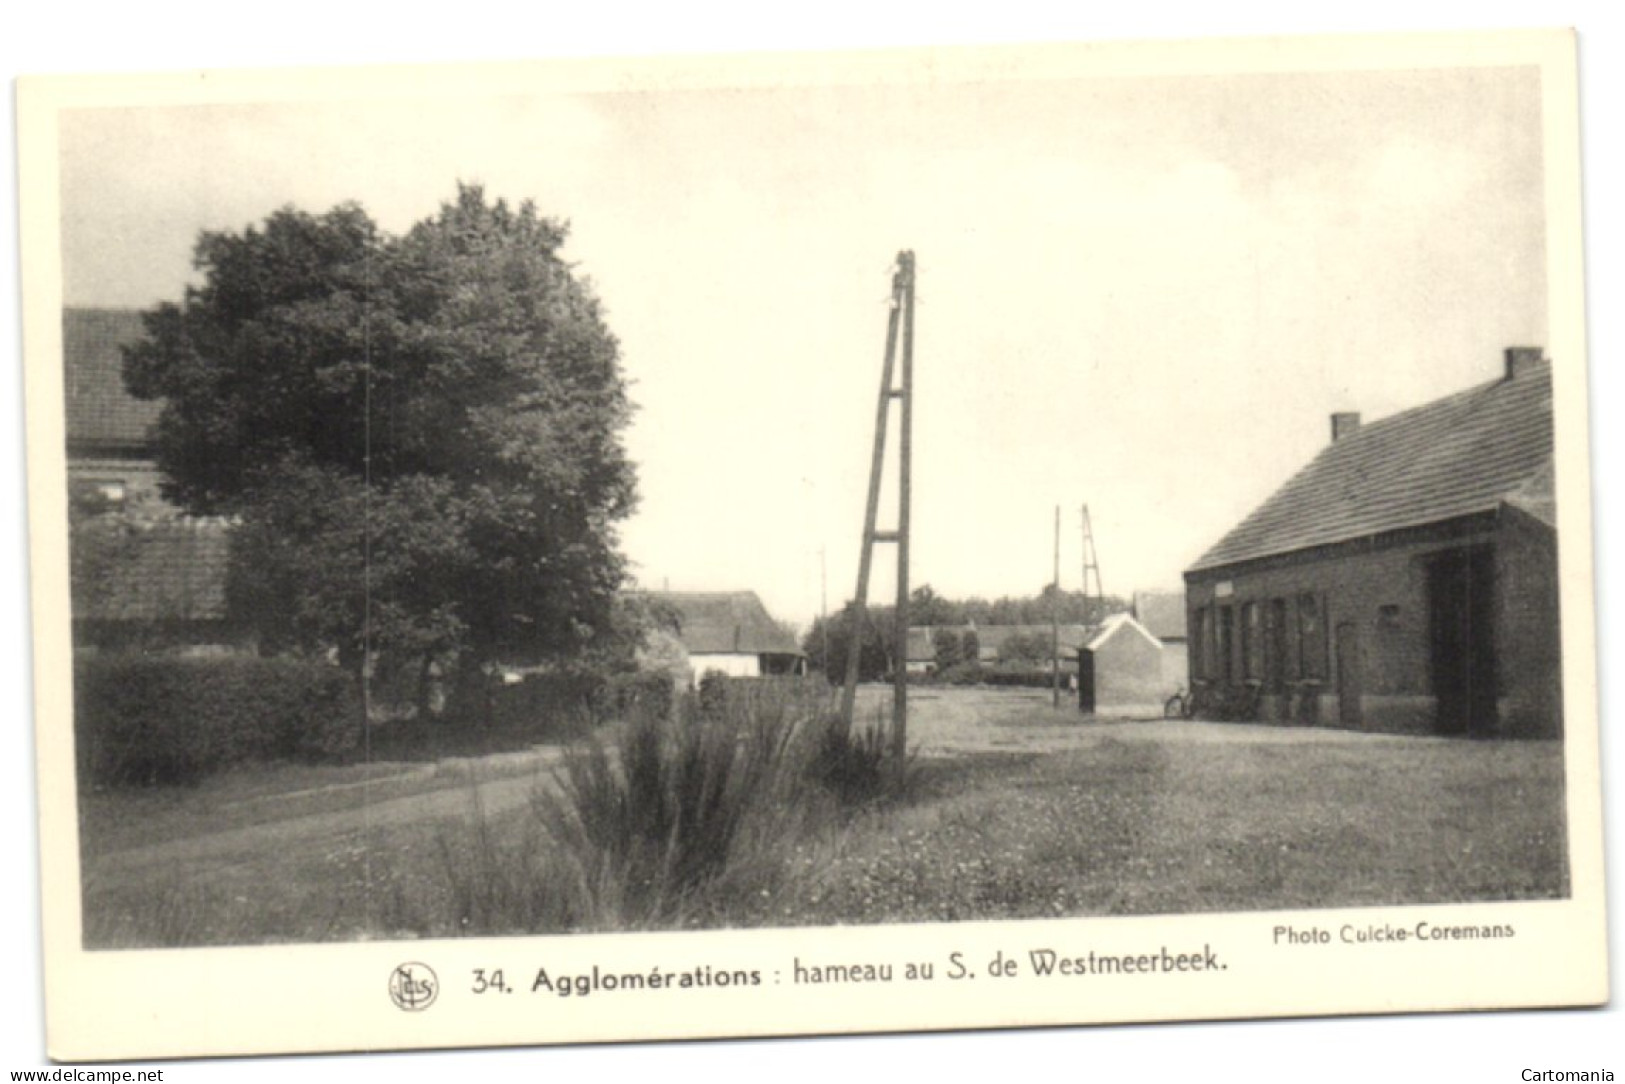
{"type": "Point", "coordinates": [856, 766]}
{"type": "Point", "coordinates": [676, 818]}
{"type": "Point", "coordinates": [643, 822]}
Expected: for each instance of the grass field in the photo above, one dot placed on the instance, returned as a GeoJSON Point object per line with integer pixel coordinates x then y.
{"type": "Point", "coordinates": [1014, 811]}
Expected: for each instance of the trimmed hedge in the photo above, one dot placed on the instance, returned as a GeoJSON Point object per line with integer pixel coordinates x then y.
{"type": "Point", "coordinates": [965, 673]}
{"type": "Point", "coordinates": [976, 674]}
{"type": "Point", "coordinates": [1027, 679]}
{"type": "Point", "coordinates": [167, 719]}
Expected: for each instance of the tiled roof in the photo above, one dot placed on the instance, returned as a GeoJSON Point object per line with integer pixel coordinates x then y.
{"type": "Point", "coordinates": [99, 409]}
{"type": "Point", "coordinates": [727, 622]}
{"type": "Point", "coordinates": [1455, 456]}
{"type": "Point", "coordinates": [171, 569]}
{"type": "Point", "coordinates": [1538, 496]}
{"type": "Point", "coordinates": [1116, 623]}
{"type": "Point", "coordinates": [1162, 613]}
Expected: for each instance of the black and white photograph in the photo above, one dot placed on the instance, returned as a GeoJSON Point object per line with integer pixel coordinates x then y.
{"type": "Point", "coordinates": [709, 547]}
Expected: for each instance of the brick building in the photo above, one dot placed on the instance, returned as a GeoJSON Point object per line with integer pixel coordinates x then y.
{"type": "Point", "coordinates": [1405, 580]}
{"type": "Point", "coordinates": [144, 576]}
{"type": "Point", "coordinates": [109, 431]}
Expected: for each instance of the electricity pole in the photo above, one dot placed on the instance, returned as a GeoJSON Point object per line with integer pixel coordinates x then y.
{"type": "Point", "coordinates": [823, 607]}
{"type": "Point", "coordinates": [902, 313]}
{"type": "Point", "coordinates": [1055, 619]}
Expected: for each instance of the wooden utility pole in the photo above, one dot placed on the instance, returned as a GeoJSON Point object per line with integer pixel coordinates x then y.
{"type": "Point", "coordinates": [1055, 619]}
{"type": "Point", "coordinates": [902, 314]}
{"type": "Point", "coordinates": [905, 461]}
{"type": "Point", "coordinates": [1091, 565]}
{"type": "Point", "coordinates": [823, 607]}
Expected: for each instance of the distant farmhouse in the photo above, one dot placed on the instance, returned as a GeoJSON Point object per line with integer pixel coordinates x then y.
{"type": "Point", "coordinates": [1406, 579]}
{"type": "Point", "coordinates": [732, 633]}
{"type": "Point", "coordinates": [1117, 662]}
{"type": "Point", "coordinates": [995, 644]}
{"type": "Point", "coordinates": [151, 578]}
{"type": "Point", "coordinates": [998, 644]}
{"type": "Point", "coordinates": [110, 450]}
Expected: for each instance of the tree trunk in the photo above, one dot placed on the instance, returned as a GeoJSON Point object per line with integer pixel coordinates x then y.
{"type": "Point", "coordinates": [471, 700]}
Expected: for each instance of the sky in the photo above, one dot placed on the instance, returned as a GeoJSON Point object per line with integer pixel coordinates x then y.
{"type": "Point", "coordinates": [1143, 294]}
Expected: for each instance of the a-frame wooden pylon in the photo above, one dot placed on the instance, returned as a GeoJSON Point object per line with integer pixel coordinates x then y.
{"type": "Point", "coordinates": [902, 313]}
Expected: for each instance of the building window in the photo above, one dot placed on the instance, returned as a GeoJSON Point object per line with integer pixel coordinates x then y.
{"type": "Point", "coordinates": [1204, 641]}
{"type": "Point", "coordinates": [1311, 638]}
{"type": "Point", "coordinates": [1277, 670]}
{"type": "Point", "coordinates": [1227, 640]}
{"type": "Point", "coordinates": [1252, 642]}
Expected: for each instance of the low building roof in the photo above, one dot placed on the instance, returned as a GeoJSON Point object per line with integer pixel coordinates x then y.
{"type": "Point", "coordinates": [1116, 623]}
{"type": "Point", "coordinates": [171, 569]}
{"type": "Point", "coordinates": [100, 411]}
{"type": "Point", "coordinates": [727, 623]}
{"type": "Point", "coordinates": [1162, 613]}
{"type": "Point", "coordinates": [1456, 456]}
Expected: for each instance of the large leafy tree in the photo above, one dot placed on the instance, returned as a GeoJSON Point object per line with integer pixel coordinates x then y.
{"type": "Point", "coordinates": [419, 434]}
{"type": "Point", "coordinates": [834, 633]}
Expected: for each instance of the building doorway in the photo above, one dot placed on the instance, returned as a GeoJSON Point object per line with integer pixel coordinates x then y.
{"type": "Point", "coordinates": [1348, 676]}
{"type": "Point", "coordinates": [1461, 640]}
{"type": "Point", "coordinates": [1086, 681]}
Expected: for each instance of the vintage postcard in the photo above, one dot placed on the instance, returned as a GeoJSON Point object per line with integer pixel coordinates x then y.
{"type": "Point", "coordinates": [916, 540]}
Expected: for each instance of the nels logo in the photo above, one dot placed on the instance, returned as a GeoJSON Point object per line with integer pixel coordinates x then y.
{"type": "Point", "coordinates": [413, 987]}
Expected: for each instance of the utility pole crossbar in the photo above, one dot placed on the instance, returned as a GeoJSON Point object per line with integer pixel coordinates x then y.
{"type": "Point", "coordinates": [901, 318]}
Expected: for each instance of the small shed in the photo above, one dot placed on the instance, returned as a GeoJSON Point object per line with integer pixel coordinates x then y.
{"type": "Point", "coordinates": [1120, 667]}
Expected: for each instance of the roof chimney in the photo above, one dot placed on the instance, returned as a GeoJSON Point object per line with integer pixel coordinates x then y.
{"type": "Point", "coordinates": [1344, 423]}
{"type": "Point", "coordinates": [1522, 360]}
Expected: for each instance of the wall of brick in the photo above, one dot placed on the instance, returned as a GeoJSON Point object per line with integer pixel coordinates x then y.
{"type": "Point", "coordinates": [1378, 598]}
{"type": "Point", "coordinates": [1527, 633]}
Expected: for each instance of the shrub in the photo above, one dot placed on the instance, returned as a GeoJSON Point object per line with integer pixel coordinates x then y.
{"type": "Point", "coordinates": [1024, 678]}
{"type": "Point", "coordinates": [712, 693]}
{"type": "Point", "coordinates": [166, 719]}
{"type": "Point", "coordinates": [557, 704]}
{"type": "Point", "coordinates": [970, 646]}
{"type": "Point", "coordinates": [965, 673]}
{"type": "Point", "coordinates": [643, 694]}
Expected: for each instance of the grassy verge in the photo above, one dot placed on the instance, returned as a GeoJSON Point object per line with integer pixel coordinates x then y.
{"type": "Point", "coordinates": [1155, 827]}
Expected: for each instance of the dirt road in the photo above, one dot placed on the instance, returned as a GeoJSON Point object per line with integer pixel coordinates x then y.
{"type": "Point", "coordinates": [947, 723]}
